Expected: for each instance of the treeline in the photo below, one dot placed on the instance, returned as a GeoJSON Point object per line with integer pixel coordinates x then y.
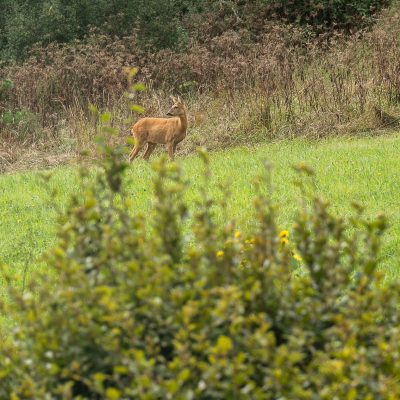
{"type": "Point", "coordinates": [165, 23]}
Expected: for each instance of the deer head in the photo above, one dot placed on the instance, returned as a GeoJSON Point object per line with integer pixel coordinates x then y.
{"type": "Point", "coordinates": [178, 107]}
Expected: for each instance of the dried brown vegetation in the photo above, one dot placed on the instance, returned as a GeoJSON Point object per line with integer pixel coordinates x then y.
{"type": "Point", "coordinates": [239, 91]}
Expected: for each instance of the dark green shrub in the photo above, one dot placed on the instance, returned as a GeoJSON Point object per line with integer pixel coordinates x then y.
{"type": "Point", "coordinates": [27, 22]}
{"type": "Point", "coordinates": [136, 307]}
{"type": "Point", "coordinates": [322, 14]}
{"type": "Point", "coordinates": [5, 86]}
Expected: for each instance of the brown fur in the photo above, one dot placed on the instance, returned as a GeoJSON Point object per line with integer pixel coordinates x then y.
{"type": "Point", "coordinates": [154, 131]}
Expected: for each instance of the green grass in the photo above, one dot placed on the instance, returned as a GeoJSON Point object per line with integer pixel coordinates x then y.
{"type": "Point", "coordinates": [364, 170]}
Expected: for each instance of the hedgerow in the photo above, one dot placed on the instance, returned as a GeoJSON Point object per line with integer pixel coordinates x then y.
{"type": "Point", "coordinates": [172, 305]}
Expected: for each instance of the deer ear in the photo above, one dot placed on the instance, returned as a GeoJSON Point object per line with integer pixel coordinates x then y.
{"type": "Point", "coordinates": [179, 99]}
{"type": "Point", "coordinates": [173, 98]}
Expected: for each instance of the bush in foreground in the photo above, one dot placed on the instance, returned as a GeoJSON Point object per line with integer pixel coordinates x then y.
{"type": "Point", "coordinates": [173, 306]}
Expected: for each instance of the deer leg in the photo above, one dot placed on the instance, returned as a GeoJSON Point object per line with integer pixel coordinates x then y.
{"type": "Point", "coordinates": [135, 151]}
{"type": "Point", "coordinates": [170, 146]}
{"type": "Point", "coordinates": [149, 150]}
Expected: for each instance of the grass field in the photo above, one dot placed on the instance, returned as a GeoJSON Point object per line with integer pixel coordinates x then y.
{"type": "Point", "coordinates": [365, 170]}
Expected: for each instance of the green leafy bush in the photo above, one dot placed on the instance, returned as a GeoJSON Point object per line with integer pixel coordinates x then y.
{"type": "Point", "coordinates": [171, 305]}
{"type": "Point", "coordinates": [323, 14]}
{"type": "Point", "coordinates": [24, 23]}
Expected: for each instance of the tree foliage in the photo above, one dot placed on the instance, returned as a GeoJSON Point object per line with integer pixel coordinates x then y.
{"type": "Point", "coordinates": [161, 23]}
{"type": "Point", "coordinates": [324, 14]}
{"type": "Point", "coordinates": [27, 22]}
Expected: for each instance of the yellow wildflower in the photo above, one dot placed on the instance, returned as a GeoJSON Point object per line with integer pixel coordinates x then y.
{"type": "Point", "coordinates": [284, 240]}
{"type": "Point", "coordinates": [220, 253]}
{"type": "Point", "coordinates": [297, 257]}
{"type": "Point", "coordinates": [237, 234]}
{"type": "Point", "coordinates": [283, 234]}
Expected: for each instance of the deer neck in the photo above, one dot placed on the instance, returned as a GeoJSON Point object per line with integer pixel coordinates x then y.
{"type": "Point", "coordinates": [184, 122]}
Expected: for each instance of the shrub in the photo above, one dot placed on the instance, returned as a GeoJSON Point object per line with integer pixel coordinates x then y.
{"type": "Point", "coordinates": [328, 14]}
{"type": "Point", "coordinates": [25, 23]}
{"type": "Point", "coordinates": [171, 305]}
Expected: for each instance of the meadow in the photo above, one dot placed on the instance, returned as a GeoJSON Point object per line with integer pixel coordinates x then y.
{"type": "Point", "coordinates": [197, 279]}
{"type": "Point", "coordinates": [362, 170]}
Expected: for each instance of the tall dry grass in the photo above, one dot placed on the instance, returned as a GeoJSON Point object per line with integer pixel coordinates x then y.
{"type": "Point", "coordinates": [239, 91]}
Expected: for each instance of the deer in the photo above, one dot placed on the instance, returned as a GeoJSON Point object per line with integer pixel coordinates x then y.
{"type": "Point", "coordinates": [154, 131]}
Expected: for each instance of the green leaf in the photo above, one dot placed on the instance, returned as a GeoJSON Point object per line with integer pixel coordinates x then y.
{"type": "Point", "coordinates": [138, 87]}
{"type": "Point", "coordinates": [133, 72]}
{"type": "Point", "coordinates": [105, 117]}
{"type": "Point", "coordinates": [93, 109]}
{"type": "Point", "coordinates": [224, 344]}
{"type": "Point", "coordinates": [137, 108]}
{"type": "Point", "coordinates": [113, 394]}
